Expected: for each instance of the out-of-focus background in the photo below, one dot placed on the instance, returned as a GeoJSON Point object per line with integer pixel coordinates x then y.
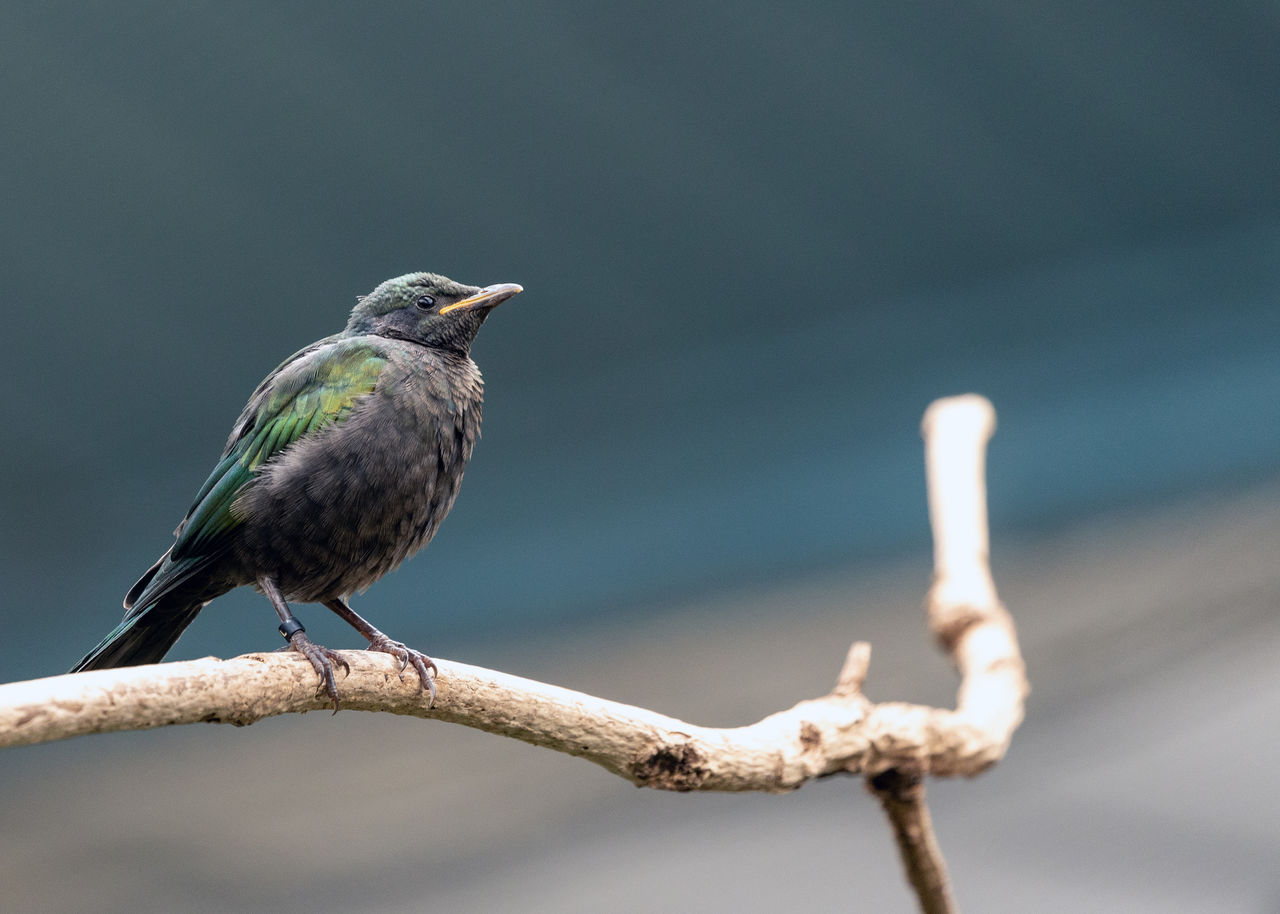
{"type": "Point", "coordinates": [756, 241]}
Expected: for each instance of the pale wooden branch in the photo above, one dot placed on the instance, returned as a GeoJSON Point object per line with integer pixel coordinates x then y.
{"type": "Point", "coordinates": [837, 732]}
{"type": "Point", "coordinates": [966, 615]}
{"type": "Point", "coordinates": [969, 622]}
{"type": "Point", "coordinates": [901, 795]}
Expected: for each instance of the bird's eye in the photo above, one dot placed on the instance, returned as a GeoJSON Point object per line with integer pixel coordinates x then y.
{"type": "Point", "coordinates": [425, 302]}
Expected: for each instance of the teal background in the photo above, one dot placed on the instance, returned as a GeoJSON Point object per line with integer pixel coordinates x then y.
{"type": "Point", "coordinates": [756, 241]}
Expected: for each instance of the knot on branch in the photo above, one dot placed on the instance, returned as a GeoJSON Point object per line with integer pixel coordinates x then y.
{"type": "Point", "coordinates": [810, 737]}
{"type": "Point", "coordinates": [678, 766]}
{"type": "Point", "coordinates": [897, 784]}
{"type": "Point", "coordinates": [950, 622]}
{"type": "Point", "coordinates": [237, 717]}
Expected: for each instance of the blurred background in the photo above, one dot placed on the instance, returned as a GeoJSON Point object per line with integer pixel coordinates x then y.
{"type": "Point", "coordinates": [756, 241]}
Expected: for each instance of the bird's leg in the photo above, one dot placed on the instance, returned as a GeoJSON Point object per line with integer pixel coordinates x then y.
{"type": "Point", "coordinates": [322, 659]}
{"type": "Point", "coordinates": [379, 642]}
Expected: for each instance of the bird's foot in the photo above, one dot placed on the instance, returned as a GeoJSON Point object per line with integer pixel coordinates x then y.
{"type": "Point", "coordinates": [322, 659]}
{"type": "Point", "coordinates": [425, 666]}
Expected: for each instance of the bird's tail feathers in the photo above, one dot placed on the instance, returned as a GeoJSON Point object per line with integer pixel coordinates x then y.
{"type": "Point", "coordinates": [136, 591]}
{"type": "Point", "coordinates": [143, 637]}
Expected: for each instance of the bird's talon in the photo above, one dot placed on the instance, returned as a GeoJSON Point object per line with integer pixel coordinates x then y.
{"type": "Point", "coordinates": [322, 660]}
{"type": "Point", "coordinates": [424, 665]}
{"type": "Point", "coordinates": [426, 668]}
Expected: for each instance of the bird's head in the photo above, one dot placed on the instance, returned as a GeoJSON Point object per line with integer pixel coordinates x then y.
{"type": "Point", "coordinates": [428, 308]}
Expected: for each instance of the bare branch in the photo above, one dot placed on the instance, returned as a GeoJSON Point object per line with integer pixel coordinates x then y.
{"type": "Point", "coordinates": [854, 672]}
{"type": "Point", "coordinates": [894, 745]}
{"type": "Point", "coordinates": [901, 795]}
{"type": "Point", "coordinates": [837, 733]}
{"type": "Point", "coordinates": [781, 752]}
{"type": "Point", "coordinates": [969, 621]}
{"type": "Point", "coordinates": [964, 611]}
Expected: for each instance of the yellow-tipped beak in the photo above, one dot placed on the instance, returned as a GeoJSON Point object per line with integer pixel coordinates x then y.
{"type": "Point", "coordinates": [488, 297]}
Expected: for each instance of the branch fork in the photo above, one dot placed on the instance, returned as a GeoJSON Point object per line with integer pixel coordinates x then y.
{"type": "Point", "coordinates": [894, 745]}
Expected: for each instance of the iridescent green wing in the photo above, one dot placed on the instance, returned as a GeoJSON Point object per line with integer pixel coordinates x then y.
{"type": "Point", "coordinates": [315, 389]}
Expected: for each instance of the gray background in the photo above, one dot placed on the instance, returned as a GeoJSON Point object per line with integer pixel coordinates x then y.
{"type": "Point", "coordinates": [756, 241]}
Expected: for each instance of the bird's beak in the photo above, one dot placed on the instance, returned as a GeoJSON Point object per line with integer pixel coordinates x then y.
{"type": "Point", "coordinates": [488, 297]}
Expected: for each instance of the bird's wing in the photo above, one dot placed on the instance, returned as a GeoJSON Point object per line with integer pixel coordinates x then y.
{"type": "Point", "coordinates": [315, 389]}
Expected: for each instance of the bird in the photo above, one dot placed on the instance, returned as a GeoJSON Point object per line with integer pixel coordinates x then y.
{"type": "Point", "coordinates": [343, 463]}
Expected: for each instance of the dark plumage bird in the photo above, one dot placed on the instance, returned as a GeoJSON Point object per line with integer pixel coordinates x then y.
{"type": "Point", "coordinates": [343, 464]}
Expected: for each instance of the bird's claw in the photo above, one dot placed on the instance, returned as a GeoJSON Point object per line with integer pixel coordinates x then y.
{"type": "Point", "coordinates": [322, 660]}
{"type": "Point", "coordinates": [424, 665]}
